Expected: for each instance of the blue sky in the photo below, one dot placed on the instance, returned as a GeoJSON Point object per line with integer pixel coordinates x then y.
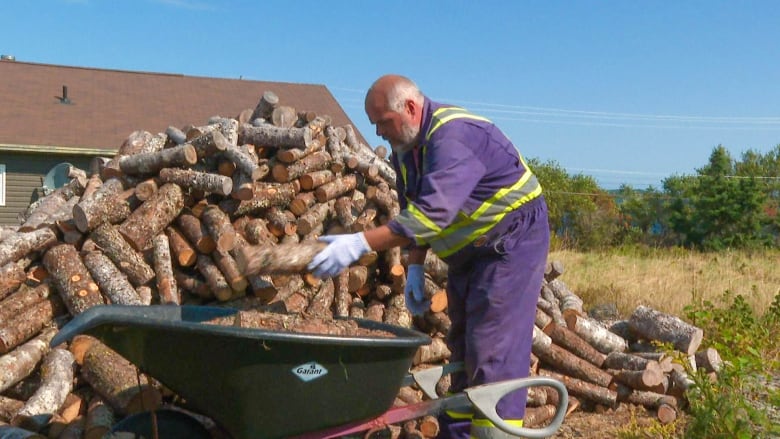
{"type": "Point", "coordinates": [625, 91]}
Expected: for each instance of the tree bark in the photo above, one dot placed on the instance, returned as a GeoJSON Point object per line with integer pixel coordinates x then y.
{"type": "Point", "coordinates": [19, 363]}
{"type": "Point", "coordinates": [105, 205]}
{"type": "Point", "coordinates": [567, 362]}
{"type": "Point", "coordinates": [163, 268]}
{"type": "Point", "coordinates": [214, 278]}
{"type": "Point", "coordinates": [598, 336]}
{"type": "Point", "coordinates": [202, 181]}
{"type": "Point", "coordinates": [112, 282]}
{"type": "Point", "coordinates": [335, 188]}
{"type": "Point", "coordinates": [583, 389]}
{"type": "Point", "coordinates": [315, 161]}
{"type": "Point", "coordinates": [195, 231]}
{"type": "Point", "coordinates": [72, 279]}
{"type": "Point", "coordinates": [117, 381]}
{"type": "Point", "coordinates": [153, 216]}
{"type": "Point", "coordinates": [181, 249]}
{"type": "Point", "coordinates": [100, 418]}
{"type": "Point", "coordinates": [219, 227]}
{"type": "Point", "coordinates": [113, 245]}
{"type": "Point", "coordinates": [57, 372]}
{"type": "Point", "coordinates": [151, 162]}
{"type": "Point", "coordinates": [654, 325]}
{"type": "Point", "coordinates": [276, 136]}
{"type": "Point", "coordinates": [12, 275]}
{"type": "Point", "coordinates": [566, 338]}
{"type": "Point", "coordinates": [11, 306]}
{"type": "Point", "coordinates": [21, 244]}
{"type": "Point", "coordinates": [279, 259]}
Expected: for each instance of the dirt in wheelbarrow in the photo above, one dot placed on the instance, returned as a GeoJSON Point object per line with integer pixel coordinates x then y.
{"type": "Point", "coordinates": [301, 323]}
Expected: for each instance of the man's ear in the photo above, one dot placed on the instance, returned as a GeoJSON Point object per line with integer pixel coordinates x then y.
{"type": "Point", "coordinates": [411, 107]}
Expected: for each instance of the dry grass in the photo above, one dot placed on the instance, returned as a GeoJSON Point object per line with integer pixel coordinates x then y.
{"type": "Point", "coordinates": [668, 280]}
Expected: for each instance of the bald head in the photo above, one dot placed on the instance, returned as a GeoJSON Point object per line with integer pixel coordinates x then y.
{"type": "Point", "coordinates": [392, 91]}
{"type": "Point", "coordinates": [394, 104]}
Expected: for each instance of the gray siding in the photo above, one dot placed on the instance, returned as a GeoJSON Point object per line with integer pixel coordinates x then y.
{"type": "Point", "coordinates": [24, 178]}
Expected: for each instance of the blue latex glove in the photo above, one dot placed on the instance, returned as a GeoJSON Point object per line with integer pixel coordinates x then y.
{"type": "Point", "coordinates": [414, 292]}
{"type": "Point", "coordinates": [342, 250]}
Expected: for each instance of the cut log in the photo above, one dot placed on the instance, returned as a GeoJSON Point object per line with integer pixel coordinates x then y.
{"type": "Point", "coordinates": [276, 136]}
{"type": "Point", "coordinates": [551, 309]}
{"type": "Point", "coordinates": [265, 106]}
{"type": "Point", "coordinates": [230, 270]}
{"type": "Point", "coordinates": [315, 161]}
{"type": "Point", "coordinates": [57, 372]}
{"type": "Point", "coordinates": [12, 305]}
{"type": "Point", "coordinates": [313, 217]}
{"type": "Point", "coordinates": [647, 379]}
{"type": "Point", "coordinates": [335, 188]}
{"type": "Point", "coordinates": [22, 361]}
{"type": "Point", "coordinates": [151, 162]}
{"type": "Point", "coordinates": [201, 181]}
{"type": "Point", "coordinates": [396, 312]}
{"type": "Point", "coordinates": [535, 416]}
{"type": "Point", "coordinates": [279, 259]}
{"type": "Point", "coordinates": [130, 262]}
{"type": "Point", "coordinates": [315, 179]}
{"type": "Point", "coordinates": [709, 359]}
{"type": "Point", "coordinates": [21, 244]}
{"type": "Point", "coordinates": [219, 227]}
{"type": "Point", "coordinates": [566, 338]}
{"type": "Point", "coordinates": [597, 335]}
{"type": "Point", "coordinates": [118, 381]}
{"type": "Point", "coordinates": [136, 143]}
{"type": "Point", "coordinates": [655, 325]}
{"type": "Point", "coordinates": [153, 216]}
{"type": "Point", "coordinates": [214, 278]}
{"type": "Point", "coordinates": [112, 282]}
{"type": "Point", "coordinates": [181, 249]}
{"type": "Point", "coordinates": [432, 353]}
{"type": "Point", "coordinates": [566, 362]}
{"type": "Point", "coordinates": [584, 390]}
{"type": "Point", "coordinates": [627, 361]}
{"type": "Point", "coordinates": [342, 298]}
{"type": "Point", "coordinates": [8, 408]}
{"type": "Point", "coordinates": [281, 222]}
{"type": "Point", "coordinates": [163, 268]}
{"type": "Point", "coordinates": [105, 205]}
{"type": "Point", "coordinates": [195, 231]}
{"type": "Point", "coordinates": [265, 195]}
{"type": "Point", "coordinates": [73, 281]}
{"type": "Point", "coordinates": [553, 270]}
{"type": "Point", "coordinates": [12, 275]}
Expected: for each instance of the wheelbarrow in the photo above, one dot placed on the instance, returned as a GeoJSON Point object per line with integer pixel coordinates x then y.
{"type": "Point", "coordinates": [257, 383]}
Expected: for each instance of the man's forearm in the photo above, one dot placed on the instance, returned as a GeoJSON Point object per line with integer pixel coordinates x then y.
{"type": "Point", "coordinates": [382, 238]}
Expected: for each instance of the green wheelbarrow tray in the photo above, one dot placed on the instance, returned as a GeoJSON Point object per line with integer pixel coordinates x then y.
{"type": "Point", "coordinates": [257, 383]}
{"type": "Point", "coordinates": [253, 382]}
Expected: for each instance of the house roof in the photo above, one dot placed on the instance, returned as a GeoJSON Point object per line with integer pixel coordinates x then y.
{"type": "Point", "coordinates": [107, 105]}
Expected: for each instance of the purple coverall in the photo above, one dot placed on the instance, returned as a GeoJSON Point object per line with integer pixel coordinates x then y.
{"type": "Point", "coordinates": [494, 281]}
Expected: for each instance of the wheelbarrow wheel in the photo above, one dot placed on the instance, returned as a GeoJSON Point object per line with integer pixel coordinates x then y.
{"type": "Point", "coordinates": [171, 424]}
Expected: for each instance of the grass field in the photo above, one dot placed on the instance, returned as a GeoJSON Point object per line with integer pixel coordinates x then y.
{"type": "Point", "coordinates": [668, 280]}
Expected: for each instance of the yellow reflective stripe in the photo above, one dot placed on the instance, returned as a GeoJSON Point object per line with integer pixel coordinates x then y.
{"type": "Point", "coordinates": [485, 206]}
{"type": "Point", "coordinates": [445, 250]}
{"type": "Point", "coordinates": [457, 113]}
{"type": "Point", "coordinates": [481, 422]}
{"type": "Point", "coordinates": [403, 173]}
{"type": "Point", "coordinates": [459, 415]}
{"type": "Point", "coordinates": [424, 220]}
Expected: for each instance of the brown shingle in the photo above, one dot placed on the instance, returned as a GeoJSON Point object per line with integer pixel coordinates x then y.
{"type": "Point", "coordinates": [107, 105]}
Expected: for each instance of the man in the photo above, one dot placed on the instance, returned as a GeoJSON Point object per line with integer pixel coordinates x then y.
{"type": "Point", "coordinates": [467, 194]}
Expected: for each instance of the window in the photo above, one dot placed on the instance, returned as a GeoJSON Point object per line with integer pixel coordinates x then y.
{"type": "Point", "coordinates": [2, 185]}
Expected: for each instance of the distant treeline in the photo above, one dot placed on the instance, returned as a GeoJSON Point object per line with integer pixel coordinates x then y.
{"type": "Point", "coordinates": [727, 204]}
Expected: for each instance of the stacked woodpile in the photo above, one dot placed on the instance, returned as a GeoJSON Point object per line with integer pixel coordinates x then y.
{"type": "Point", "coordinates": [229, 213]}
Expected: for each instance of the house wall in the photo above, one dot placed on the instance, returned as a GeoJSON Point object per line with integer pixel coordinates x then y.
{"type": "Point", "coordinates": [24, 174]}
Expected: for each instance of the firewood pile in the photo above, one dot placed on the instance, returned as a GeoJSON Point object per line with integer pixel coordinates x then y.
{"type": "Point", "coordinates": [228, 213]}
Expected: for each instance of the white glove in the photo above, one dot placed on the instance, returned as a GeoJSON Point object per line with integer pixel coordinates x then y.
{"type": "Point", "coordinates": [414, 292]}
{"type": "Point", "coordinates": [341, 251]}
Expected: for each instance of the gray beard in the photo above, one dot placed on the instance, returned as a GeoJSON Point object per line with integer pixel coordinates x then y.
{"type": "Point", "coordinates": [409, 140]}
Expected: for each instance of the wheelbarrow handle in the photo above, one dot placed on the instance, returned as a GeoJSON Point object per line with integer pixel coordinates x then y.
{"type": "Point", "coordinates": [485, 398]}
